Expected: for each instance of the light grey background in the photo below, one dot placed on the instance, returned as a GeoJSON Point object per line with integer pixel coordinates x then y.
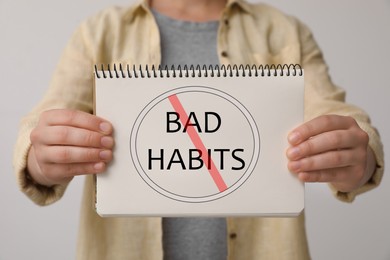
{"type": "Point", "coordinates": [355, 38]}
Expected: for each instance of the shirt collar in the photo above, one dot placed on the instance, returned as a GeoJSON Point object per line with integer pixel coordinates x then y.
{"type": "Point", "coordinates": [143, 7]}
{"type": "Point", "coordinates": [240, 3]}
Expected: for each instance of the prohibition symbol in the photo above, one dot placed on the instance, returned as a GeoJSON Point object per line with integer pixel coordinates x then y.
{"type": "Point", "coordinates": [195, 144]}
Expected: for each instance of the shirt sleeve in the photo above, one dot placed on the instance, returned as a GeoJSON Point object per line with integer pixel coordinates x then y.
{"type": "Point", "coordinates": [323, 97]}
{"type": "Point", "coordinates": [71, 87]}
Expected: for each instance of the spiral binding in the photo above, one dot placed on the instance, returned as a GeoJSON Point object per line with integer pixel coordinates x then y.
{"type": "Point", "coordinates": [198, 71]}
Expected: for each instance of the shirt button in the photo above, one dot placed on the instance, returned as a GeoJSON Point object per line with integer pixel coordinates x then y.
{"type": "Point", "coordinates": [233, 235]}
{"type": "Point", "coordinates": [224, 54]}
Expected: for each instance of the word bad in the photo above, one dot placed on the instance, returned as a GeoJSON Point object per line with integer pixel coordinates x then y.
{"type": "Point", "coordinates": [174, 125]}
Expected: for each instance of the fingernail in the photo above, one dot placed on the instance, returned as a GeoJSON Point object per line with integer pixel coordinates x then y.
{"type": "Point", "coordinates": [295, 166]}
{"type": "Point", "coordinates": [293, 152]}
{"type": "Point", "coordinates": [105, 155]}
{"type": "Point", "coordinates": [107, 141]}
{"type": "Point", "coordinates": [98, 166]}
{"type": "Point", "coordinates": [105, 127]}
{"type": "Point", "coordinates": [293, 138]}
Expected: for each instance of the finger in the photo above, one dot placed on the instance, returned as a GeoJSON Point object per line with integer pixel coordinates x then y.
{"type": "Point", "coordinates": [73, 154]}
{"type": "Point", "coordinates": [328, 160]}
{"type": "Point", "coordinates": [77, 119]}
{"type": "Point", "coordinates": [335, 140]}
{"type": "Point", "coordinates": [59, 172]}
{"type": "Point", "coordinates": [71, 136]}
{"type": "Point", "coordinates": [319, 125]}
{"type": "Point", "coordinates": [331, 175]}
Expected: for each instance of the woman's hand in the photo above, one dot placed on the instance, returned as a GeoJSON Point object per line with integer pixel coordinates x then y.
{"type": "Point", "coordinates": [331, 149]}
{"type": "Point", "coordinates": [66, 143]}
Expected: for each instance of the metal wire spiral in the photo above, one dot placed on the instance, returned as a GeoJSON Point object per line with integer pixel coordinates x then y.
{"type": "Point", "coordinates": [273, 70]}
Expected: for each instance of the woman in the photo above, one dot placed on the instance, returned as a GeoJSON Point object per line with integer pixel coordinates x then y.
{"type": "Point", "coordinates": [60, 139]}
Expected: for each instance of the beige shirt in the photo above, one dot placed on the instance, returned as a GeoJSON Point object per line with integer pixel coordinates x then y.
{"type": "Point", "coordinates": [248, 34]}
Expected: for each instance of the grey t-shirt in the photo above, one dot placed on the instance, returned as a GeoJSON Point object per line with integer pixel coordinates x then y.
{"type": "Point", "coordinates": [191, 43]}
{"type": "Point", "coordinates": [187, 43]}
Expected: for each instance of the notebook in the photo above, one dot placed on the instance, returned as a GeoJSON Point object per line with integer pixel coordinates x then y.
{"type": "Point", "coordinates": [199, 141]}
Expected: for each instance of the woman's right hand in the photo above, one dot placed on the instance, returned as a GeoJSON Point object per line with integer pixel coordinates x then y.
{"type": "Point", "coordinates": [66, 143]}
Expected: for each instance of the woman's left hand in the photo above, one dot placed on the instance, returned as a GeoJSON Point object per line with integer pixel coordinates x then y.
{"type": "Point", "coordinates": [331, 149]}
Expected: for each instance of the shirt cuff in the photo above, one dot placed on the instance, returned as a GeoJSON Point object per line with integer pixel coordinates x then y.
{"type": "Point", "coordinates": [39, 194]}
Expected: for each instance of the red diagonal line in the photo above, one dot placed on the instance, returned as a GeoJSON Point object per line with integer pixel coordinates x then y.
{"type": "Point", "coordinates": [197, 141]}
